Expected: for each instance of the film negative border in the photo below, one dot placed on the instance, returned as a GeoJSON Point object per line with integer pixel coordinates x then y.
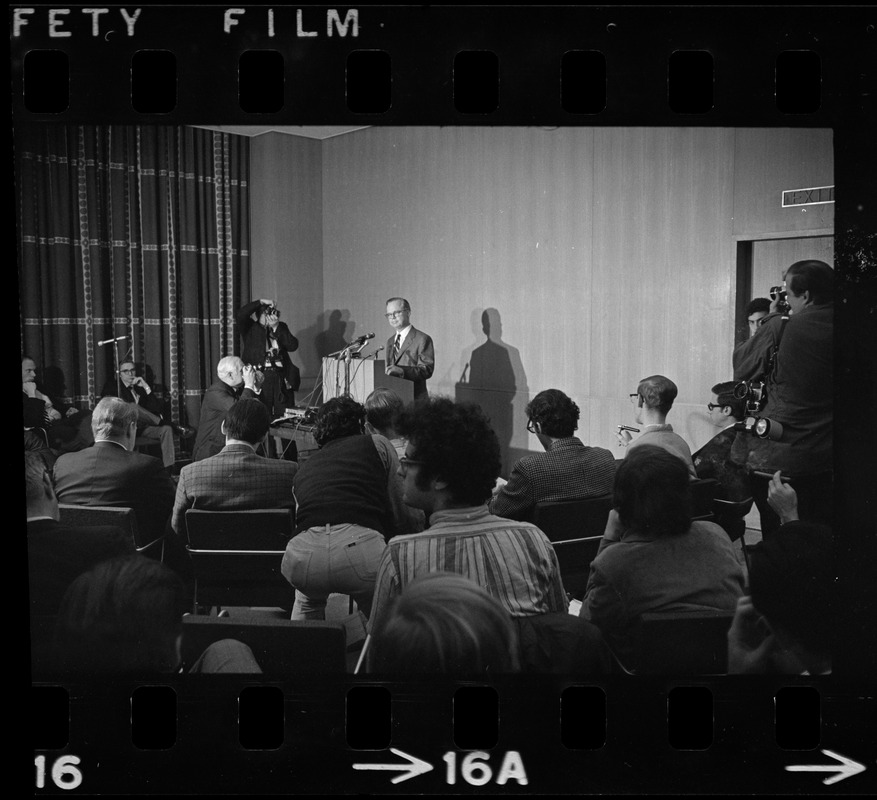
{"type": "Point", "coordinates": [201, 53]}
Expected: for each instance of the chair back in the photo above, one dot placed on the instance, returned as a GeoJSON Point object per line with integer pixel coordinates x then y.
{"type": "Point", "coordinates": [574, 528]}
{"type": "Point", "coordinates": [121, 516]}
{"type": "Point", "coordinates": [683, 643]}
{"type": "Point", "coordinates": [562, 520]}
{"type": "Point", "coordinates": [280, 646]}
{"type": "Point", "coordinates": [731, 516]}
{"type": "Point", "coordinates": [703, 493]}
{"type": "Point", "coordinates": [236, 557]}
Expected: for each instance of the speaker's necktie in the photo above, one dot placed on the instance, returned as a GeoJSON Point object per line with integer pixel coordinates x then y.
{"type": "Point", "coordinates": [396, 344]}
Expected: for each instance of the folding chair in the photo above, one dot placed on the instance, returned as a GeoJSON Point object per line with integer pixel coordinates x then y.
{"type": "Point", "coordinates": [122, 516]}
{"type": "Point", "coordinates": [682, 643]}
{"type": "Point", "coordinates": [575, 529]}
{"type": "Point", "coordinates": [236, 557]}
{"type": "Point", "coordinates": [280, 646]}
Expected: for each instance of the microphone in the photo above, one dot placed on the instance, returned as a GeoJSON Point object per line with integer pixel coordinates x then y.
{"type": "Point", "coordinates": [364, 338]}
{"type": "Point", "coordinates": [110, 341]}
{"type": "Point", "coordinates": [375, 354]}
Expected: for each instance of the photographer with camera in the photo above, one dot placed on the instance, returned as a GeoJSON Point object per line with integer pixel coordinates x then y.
{"type": "Point", "coordinates": [267, 345]}
{"type": "Point", "coordinates": [789, 359]}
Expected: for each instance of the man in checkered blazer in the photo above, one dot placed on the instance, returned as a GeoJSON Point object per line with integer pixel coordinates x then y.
{"type": "Point", "coordinates": [236, 478]}
{"type": "Point", "coordinates": [567, 470]}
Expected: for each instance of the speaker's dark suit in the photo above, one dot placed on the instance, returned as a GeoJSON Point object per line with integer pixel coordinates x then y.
{"type": "Point", "coordinates": [233, 480]}
{"type": "Point", "coordinates": [106, 474]}
{"type": "Point", "coordinates": [416, 359]}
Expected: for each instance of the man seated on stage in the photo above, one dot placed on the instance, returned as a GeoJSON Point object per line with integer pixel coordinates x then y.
{"type": "Point", "coordinates": [382, 407]}
{"type": "Point", "coordinates": [653, 400]}
{"type": "Point", "coordinates": [58, 553]}
{"type": "Point", "coordinates": [267, 345]}
{"type": "Point", "coordinates": [133, 388]}
{"type": "Point", "coordinates": [110, 473]}
{"type": "Point", "coordinates": [235, 381]}
{"type": "Point", "coordinates": [61, 428]}
{"type": "Point", "coordinates": [449, 471]}
{"type": "Point", "coordinates": [785, 623]}
{"type": "Point", "coordinates": [567, 470]}
{"type": "Point", "coordinates": [236, 478]}
{"type": "Point", "coordinates": [410, 353]}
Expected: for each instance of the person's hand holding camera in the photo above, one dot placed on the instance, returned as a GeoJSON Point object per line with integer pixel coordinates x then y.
{"type": "Point", "coordinates": [249, 375]}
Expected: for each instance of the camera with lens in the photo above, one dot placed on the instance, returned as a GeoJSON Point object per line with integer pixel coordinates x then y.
{"type": "Point", "coordinates": [780, 294]}
{"type": "Point", "coordinates": [762, 427]}
{"type": "Point", "coordinates": [270, 311]}
{"type": "Point", "coordinates": [754, 393]}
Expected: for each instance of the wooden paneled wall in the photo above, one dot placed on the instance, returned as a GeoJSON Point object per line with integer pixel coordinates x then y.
{"type": "Point", "coordinates": [577, 258]}
{"type": "Point", "coordinates": [598, 257]}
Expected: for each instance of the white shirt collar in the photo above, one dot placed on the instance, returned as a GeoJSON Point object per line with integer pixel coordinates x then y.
{"type": "Point", "coordinates": [403, 333]}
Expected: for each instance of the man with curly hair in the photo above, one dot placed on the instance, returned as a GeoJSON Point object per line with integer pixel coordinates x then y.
{"type": "Point", "coordinates": [567, 470]}
{"type": "Point", "coordinates": [449, 471]}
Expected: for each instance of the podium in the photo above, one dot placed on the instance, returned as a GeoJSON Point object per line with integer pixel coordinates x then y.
{"type": "Point", "coordinates": [359, 377]}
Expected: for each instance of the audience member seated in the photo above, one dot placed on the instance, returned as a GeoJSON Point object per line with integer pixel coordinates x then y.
{"type": "Point", "coordinates": [57, 553]}
{"type": "Point", "coordinates": [723, 457]}
{"type": "Point", "coordinates": [234, 382]}
{"type": "Point", "coordinates": [348, 502]}
{"type": "Point", "coordinates": [449, 471]}
{"type": "Point", "coordinates": [756, 310]}
{"type": "Point", "coordinates": [567, 470]}
{"type": "Point", "coordinates": [382, 407]}
{"type": "Point", "coordinates": [110, 473]}
{"type": "Point", "coordinates": [133, 388]}
{"type": "Point", "coordinates": [60, 428]}
{"type": "Point", "coordinates": [785, 623]}
{"type": "Point", "coordinates": [124, 616]}
{"type": "Point", "coordinates": [653, 557]}
{"type": "Point", "coordinates": [236, 478]}
{"type": "Point", "coordinates": [653, 400]}
{"type": "Point", "coordinates": [444, 623]}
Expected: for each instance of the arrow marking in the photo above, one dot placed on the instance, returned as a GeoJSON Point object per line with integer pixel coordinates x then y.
{"type": "Point", "coordinates": [412, 769]}
{"type": "Point", "coordinates": [845, 769]}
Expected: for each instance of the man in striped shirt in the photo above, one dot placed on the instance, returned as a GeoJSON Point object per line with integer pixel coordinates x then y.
{"type": "Point", "coordinates": [449, 470]}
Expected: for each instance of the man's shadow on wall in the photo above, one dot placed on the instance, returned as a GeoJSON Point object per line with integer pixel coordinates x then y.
{"type": "Point", "coordinates": [331, 332]}
{"type": "Point", "coordinates": [494, 378]}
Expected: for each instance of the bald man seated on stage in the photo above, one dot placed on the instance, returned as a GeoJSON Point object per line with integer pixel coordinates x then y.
{"type": "Point", "coordinates": [234, 382]}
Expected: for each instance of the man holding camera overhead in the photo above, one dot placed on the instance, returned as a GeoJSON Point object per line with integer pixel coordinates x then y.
{"type": "Point", "coordinates": [267, 345]}
{"type": "Point", "coordinates": [791, 354]}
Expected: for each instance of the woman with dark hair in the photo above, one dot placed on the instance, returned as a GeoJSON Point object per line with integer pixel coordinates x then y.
{"type": "Point", "coordinates": [653, 557]}
{"type": "Point", "coordinates": [348, 503]}
{"type": "Point", "coordinates": [444, 623]}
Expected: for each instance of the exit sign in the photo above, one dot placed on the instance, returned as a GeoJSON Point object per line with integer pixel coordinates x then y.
{"type": "Point", "coordinates": [808, 197]}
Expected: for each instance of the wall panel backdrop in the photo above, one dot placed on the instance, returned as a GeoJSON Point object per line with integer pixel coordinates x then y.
{"type": "Point", "coordinates": [577, 258]}
{"type": "Point", "coordinates": [138, 231]}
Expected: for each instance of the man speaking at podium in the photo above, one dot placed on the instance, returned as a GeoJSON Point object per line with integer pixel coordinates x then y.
{"type": "Point", "coordinates": [410, 353]}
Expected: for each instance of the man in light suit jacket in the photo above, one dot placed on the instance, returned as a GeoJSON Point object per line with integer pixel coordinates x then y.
{"type": "Point", "coordinates": [236, 478]}
{"type": "Point", "coordinates": [410, 354]}
{"type": "Point", "coordinates": [109, 473]}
